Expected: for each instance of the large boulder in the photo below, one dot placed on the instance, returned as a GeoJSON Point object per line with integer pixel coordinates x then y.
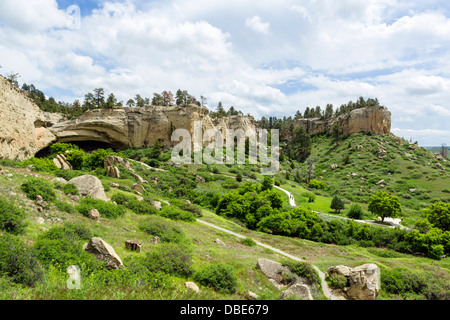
{"type": "Point", "coordinates": [363, 281]}
{"type": "Point", "coordinates": [103, 251]}
{"type": "Point", "coordinates": [88, 185]}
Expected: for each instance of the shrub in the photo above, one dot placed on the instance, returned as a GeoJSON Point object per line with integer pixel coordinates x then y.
{"type": "Point", "coordinates": [176, 214]}
{"type": "Point", "coordinates": [19, 262]}
{"type": "Point", "coordinates": [11, 217]}
{"type": "Point", "coordinates": [317, 184]}
{"type": "Point", "coordinates": [355, 212]}
{"type": "Point", "coordinates": [131, 202]}
{"type": "Point", "coordinates": [311, 196]}
{"type": "Point", "coordinates": [39, 186]}
{"type": "Point", "coordinates": [219, 277]}
{"type": "Point", "coordinates": [76, 158]}
{"type": "Point", "coordinates": [95, 160]}
{"type": "Point", "coordinates": [64, 206]}
{"type": "Point", "coordinates": [70, 188]}
{"type": "Point", "coordinates": [165, 229]}
{"type": "Point", "coordinates": [173, 259]}
{"type": "Point", "coordinates": [41, 165]}
{"type": "Point", "coordinates": [59, 148]}
{"type": "Point", "coordinates": [106, 209]}
{"type": "Point", "coordinates": [69, 174]}
{"type": "Point", "coordinates": [304, 270]}
{"type": "Point", "coordinates": [337, 204]}
{"type": "Point", "coordinates": [61, 247]}
{"type": "Point", "coordinates": [248, 242]}
{"type": "Point", "coordinates": [337, 281]}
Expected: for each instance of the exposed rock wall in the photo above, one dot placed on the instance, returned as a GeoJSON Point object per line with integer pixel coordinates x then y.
{"type": "Point", "coordinates": [376, 120]}
{"type": "Point", "coordinates": [22, 124]}
{"type": "Point", "coordinates": [141, 127]}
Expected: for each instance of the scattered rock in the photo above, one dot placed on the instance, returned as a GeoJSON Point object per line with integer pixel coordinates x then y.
{"type": "Point", "coordinates": [192, 286]}
{"type": "Point", "coordinates": [103, 251]}
{"type": "Point", "coordinates": [380, 182]}
{"type": "Point", "coordinates": [334, 166]}
{"type": "Point", "coordinates": [138, 178]}
{"type": "Point", "coordinates": [199, 179]}
{"type": "Point", "coordinates": [138, 188]}
{"type": "Point", "coordinates": [157, 205]}
{"type": "Point", "coordinates": [30, 167]}
{"type": "Point", "coordinates": [299, 291]}
{"type": "Point", "coordinates": [114, 185]}
{"type": "Point", "coordinates": [40, 201]}
{"type": "Point", "coordinates": [113, 160]}
{"type": "Point", "coordinates": [61, 162]}
{"type": "Point", "coordinates": [412, 190]}
{"type": "Point", "coordinates": [154, 240]}
{"type": "Point", "coordinates": [251, 295]}
{"type": "Point", "coordinates": [363, 281]}
{"type": "Point", "coordinates": [220, 242]}
{"type": "Point", "coordinates": [271, 269]}
{"type": "Point", "coordinates": [133, 245]}
{"type": "Point", "coordinates": [438, 165]}
{"type": "Point", "coordinates": [94, 214]}
{"type": "Point", "coordinates": [88, 185]}
{"type": "Point", "coordinates": [354, 174]}
{"type": "Point", "coordinates": [40, 220]}
{"type": "Point", "coordinates": [75, 198]}
{"type": "Point", "coordinates": [360, 147]}
{"type": "Point", "coordinates": [113, 172]}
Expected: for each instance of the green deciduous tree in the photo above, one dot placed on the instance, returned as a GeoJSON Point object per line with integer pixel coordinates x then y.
{"type": "Point", "coordinates": [337, 204]}
{"type": "Point", "coordinates": [438, 214]}
{"type": "Point", "coordinates": [385, 205]}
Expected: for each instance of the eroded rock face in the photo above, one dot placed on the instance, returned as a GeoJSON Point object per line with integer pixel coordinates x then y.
{"type": "Point", "coordinates": [141, 127]}
{"type": "Point", "coordinates": [23, 129]}
{"type": "Point", "coordinates": [375, 120]}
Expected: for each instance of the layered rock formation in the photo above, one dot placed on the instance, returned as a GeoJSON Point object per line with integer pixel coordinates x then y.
{"type": "Point", "coordinates": [141, 127]}
{"type": "Point", "coordinates": [375, 120]}
{"type": "Point", "coordinates": [22, 124]}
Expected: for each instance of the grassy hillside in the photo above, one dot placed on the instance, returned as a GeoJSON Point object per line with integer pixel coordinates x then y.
{"type": "Point", "coordinates": [160, 270]}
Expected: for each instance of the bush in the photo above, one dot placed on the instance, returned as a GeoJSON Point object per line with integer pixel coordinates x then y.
{"type": "Point", "coordinates": [304, 270]}
{"type": "Point", "coordinates": [70, 188]}
{"type": "Point", "coordinates": [11, 217]}
{"type": "Point", "coordinates": [106, 209]}
{"type": "Point", "coordinates": [219, 277]}
{"type": "Point", "coordinates": [355, 212]}
{"type": "Point", "coordinates": [59, 148]}
{"type": "Point", "coordinates": [311, 196]}
{"type": "Point", "coordinates": [19, 262]}
{"type": "Point", "coordinates": [64, 206]}
{"type": "Point", "coordinates": [173, 259]}
{"type": "Point", "coordinates": [337, 281]}
{"type": "Point", "coordinates": [76, 158]}
{"type": "Point", "coordinates": [165, 229]}
{"type": "Point", "coordinates": [39, 186]}
{"type": "Point", "coordinates": [317, 184]}
{"type": "Point", "coordinates": [61, 247]}
{"type": "Point", "coordinates": [248, 242]}
{"type": "Point", "coordinates": [41, 165]}
{"type": "Point", "coordinates": [176, 214]}
{"type": "Point", "coordinates": [131, 202]}
{"type": "Point", "coordinates": [95, 160]}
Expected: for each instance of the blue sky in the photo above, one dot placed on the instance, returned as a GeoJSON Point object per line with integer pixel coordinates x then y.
{"type": "Point", "coordinates": [263, 57]}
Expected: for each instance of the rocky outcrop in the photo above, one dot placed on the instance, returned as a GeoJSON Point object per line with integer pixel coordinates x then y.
{"type": "Point", "coordinates": [23, 129]}
{"type": "Point", "coordinates": [375, 120]}
{"type": "Point", "coordinates": [141, 127]}
{"type": "Point", "coordinates": [61, 162]}
{"type": "Point", "coordinates": [363, 282]}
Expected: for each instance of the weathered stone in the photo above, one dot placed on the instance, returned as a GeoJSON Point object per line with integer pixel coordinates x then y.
{"type": "Point", "coordinates": [94, 214]}
{"type": "Point", "coordinates": [157, 205]}
{"type": "Point", "coordinates": [192, 286]}
{"type": "Point", "coordinates": [334, 166]}
{"type": "Point", "coordinates": [138, 178]}
{"type": "Point", "coordinates": [75, 198]}
{"type": "Point", "coordinates": [154, 240]}
{"type": "Point", "coordinates": [110, 161]}
{"type": "Point", "coordinates": [88, 185]}
{"type": "Point", "coordinates": [61, 162]}
{"type": "Point", "coordinates": [138, 188]}
{"type": "Point", "coordinates": [271, 269]}
{"type": "Point", "coordinates": [113, 172]}
{"type": "Point", "coordinates": [133, 245]}
{"type": "Point", "coordinates": [23, 129]}
{"type": "Point", "coordinates": [299, 291]}
{"type": "Point", "coordinates": [220, 242]}
{"type": "Point", "coordinates": [114, 185]}
{"type": "Point", "coordinates": [199, 179]}
{"type": "Point", "coordinates": [60, 180]}
{"type": "Point", "coordinates": [103, 251]}
{"type": "Point", "coordinates": [251, 295]}
{"type": "Point", "coordinates": [364, 280]}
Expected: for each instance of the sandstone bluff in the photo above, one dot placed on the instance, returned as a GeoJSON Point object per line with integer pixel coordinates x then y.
{"type": "Point", "coordinates": [25, 129]}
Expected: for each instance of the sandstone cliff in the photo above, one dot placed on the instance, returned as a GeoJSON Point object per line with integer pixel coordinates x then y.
{"type": "Point", "coordinates": [141, 127]}
{"type": "Point", "coordinates": [375, 120]}
{"type": "Point", "coordinates": [22, 124]}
